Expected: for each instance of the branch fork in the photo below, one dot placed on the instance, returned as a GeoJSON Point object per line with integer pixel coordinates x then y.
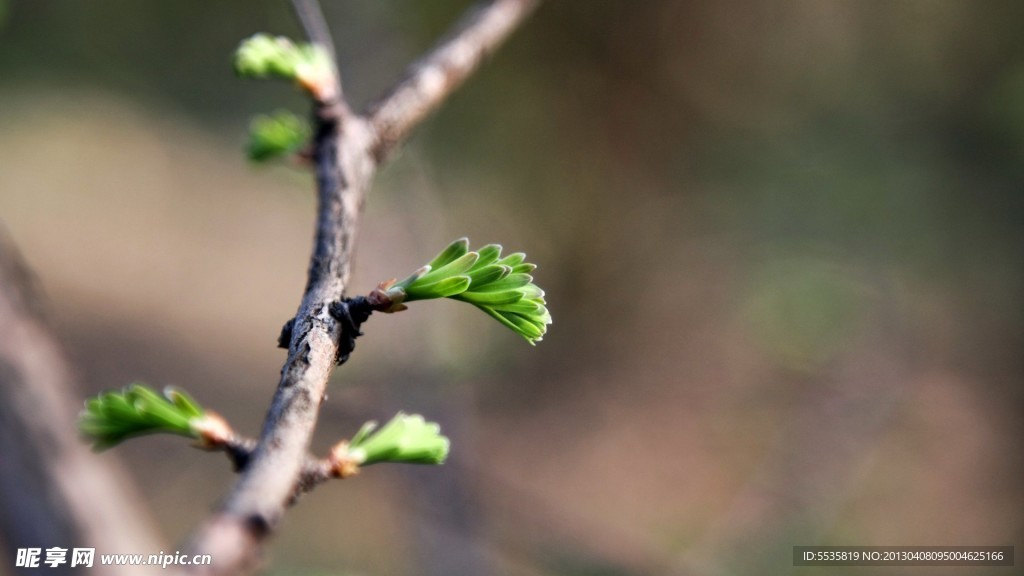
{"type": "Point", "coordinates": [347, 150]}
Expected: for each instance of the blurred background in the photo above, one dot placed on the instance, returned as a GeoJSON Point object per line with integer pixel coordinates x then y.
{"type": "Point", "coordinates": [781, 242]}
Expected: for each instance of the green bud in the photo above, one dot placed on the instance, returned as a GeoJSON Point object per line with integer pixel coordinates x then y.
{"type": "Point", "coordinates": [111, 417]}
{"type": "Point", "coordinates": [265, 56]}
{"type": "Point", "coordinates": [406, 438]}
{"type": "Point", "coordinates": [501, 287]}
{"type": "Point", "coordinates": [281, 134]}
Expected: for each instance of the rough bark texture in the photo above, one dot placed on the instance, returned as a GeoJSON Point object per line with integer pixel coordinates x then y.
{"type": "Point", "coordinates": [347, 152]}
{"type": "Point", "coordinates": [53, 491]}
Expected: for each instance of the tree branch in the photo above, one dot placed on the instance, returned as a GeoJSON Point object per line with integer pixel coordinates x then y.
{"type": "Point", "coordinates": [233, 537]}
{"type": "Point", "coordinates": [313, 23]}
{"type": "Point", "coordinates": [431, 79]}
{"type": "Point", "coordinates": [53, 492]}
{"type": "Point", "coordinates": [314, 471]}
{"type": "Point", "coordinates": [315, 26]}
{"type": "Point", "coordinates": [347, 152]}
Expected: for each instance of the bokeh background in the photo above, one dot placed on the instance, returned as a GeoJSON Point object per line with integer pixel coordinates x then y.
{"type": "Point", "coordinates": [781, 242]}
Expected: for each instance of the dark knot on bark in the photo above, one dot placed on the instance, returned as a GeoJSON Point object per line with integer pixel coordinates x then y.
{"type": "Point", "coordinates": [351, 313]}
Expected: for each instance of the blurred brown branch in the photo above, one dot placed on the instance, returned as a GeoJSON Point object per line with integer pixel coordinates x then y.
{"type": "Point", "coordinates": [347, 152]}
{"type": "Point", "coordinates": [51, 488]}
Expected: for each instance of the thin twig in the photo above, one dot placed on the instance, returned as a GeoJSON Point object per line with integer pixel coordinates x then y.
{"type": "Point", "coordinates": [314, 24]}
{"type": "Point", "coordinates": [430, 80]}
{"type": "Point", "coordinates": [347, 152]}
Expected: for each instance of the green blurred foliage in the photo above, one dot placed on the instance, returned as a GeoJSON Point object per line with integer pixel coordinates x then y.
{"type": "Point", "coordinates": [275, 135]}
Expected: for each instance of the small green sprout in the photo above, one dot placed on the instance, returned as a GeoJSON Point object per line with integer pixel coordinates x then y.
{"type": "Point", "coordinates": [405, 439]}
{"type": "Point", "coordinates": [113, 416]}
{"type": "Point", "coordinates": [265, 56]}
{"type": "Point", "coordinates": [276, 135]}
{"type": "Point", "coordinates": [501, 287]}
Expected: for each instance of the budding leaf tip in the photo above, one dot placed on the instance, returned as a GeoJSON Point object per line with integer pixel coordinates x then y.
{"type": "Point", "coordinates": [483, 278]}
{"type": "Point", "coordinates": [111, 417]}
